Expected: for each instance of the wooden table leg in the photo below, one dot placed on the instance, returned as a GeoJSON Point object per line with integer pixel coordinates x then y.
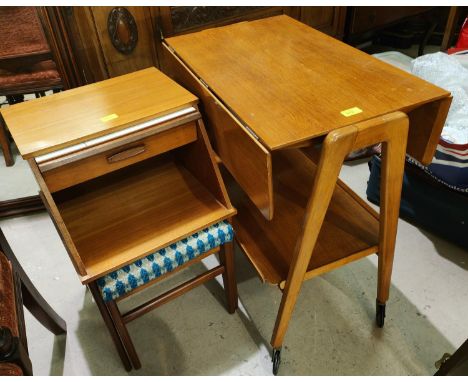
{"type": "Point", "coordinates": [336, 146]}
{"type": "Point", "coordinates": [393, 164]}
{"type": "Point", "coordinates": [392, 131]}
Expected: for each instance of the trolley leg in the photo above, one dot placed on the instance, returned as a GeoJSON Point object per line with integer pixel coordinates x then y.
{"type": "Point", "coordinates": [393, 162]}
{"type": "Point", "coordinates": [335, 148]}
{"type": "Point", "coordinates": [276, 357]}
{"type": "Point", "coordinates": [379, 314]}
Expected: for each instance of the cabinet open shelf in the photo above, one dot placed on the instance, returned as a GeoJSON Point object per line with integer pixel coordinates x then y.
{"type": "Point", "coordinates": [122, 216]}
{"type": "Point", "coordinates": [349, 232]}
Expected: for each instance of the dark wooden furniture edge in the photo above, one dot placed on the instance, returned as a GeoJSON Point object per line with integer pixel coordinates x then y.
{"type": "Point", "coordinates": [457, 363]}
{"type": "Point", "coordinates": [32, 299]}
{"type": "Point", "coordinates": [20, 206]}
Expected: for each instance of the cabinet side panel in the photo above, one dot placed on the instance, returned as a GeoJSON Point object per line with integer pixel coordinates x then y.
{"type": "Point", "coordinates": [57, 219]}
{"type": "Point", "coordinates": [198, 157]}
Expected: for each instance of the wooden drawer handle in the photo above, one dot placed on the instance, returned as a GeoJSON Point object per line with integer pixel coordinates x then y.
{"type": "Point", "coordinates": [128, 153]}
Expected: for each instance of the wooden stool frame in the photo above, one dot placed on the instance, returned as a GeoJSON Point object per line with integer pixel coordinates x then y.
{"type": "Point", "coordinates": [139, 177]}
{"type": "Point", "coordinates": [116, 321]}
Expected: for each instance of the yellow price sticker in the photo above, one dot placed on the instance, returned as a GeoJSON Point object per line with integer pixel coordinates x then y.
{"type": "Point", "coordinates": [109, 117]}
{"type": "Point", "coordinates": [349, 112]}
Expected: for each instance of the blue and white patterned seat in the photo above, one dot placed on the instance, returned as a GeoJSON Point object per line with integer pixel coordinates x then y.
{"type": "Point", "coordinates": [142, 271]}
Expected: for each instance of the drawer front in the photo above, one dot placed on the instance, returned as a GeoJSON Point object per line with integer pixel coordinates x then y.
{"type": "Point", "coordinates": [248, 161]}
{"type": "Point", "coordinates": [93, 166]}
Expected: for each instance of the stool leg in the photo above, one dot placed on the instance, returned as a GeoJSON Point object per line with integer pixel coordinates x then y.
{"type": "Point", "coordinates": [110, 325]}
{"type": "Point", "coordinates": [5, 143]}
{"type": "Point", "coordinates": [40, 309]}
{"type": "Point", "coordinates": [123, 332]}
{"type": "Point", "coordinates": [226, 255]}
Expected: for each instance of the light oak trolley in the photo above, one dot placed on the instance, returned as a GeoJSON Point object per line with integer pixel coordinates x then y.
{"type": "Point", "coordinates": [284, 105]}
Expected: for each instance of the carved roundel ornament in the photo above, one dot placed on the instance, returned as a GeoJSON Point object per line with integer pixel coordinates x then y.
{"type": "Point", "coordinates": [122, 29]}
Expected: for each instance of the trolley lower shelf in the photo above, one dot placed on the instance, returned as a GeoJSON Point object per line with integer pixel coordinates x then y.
{"type": "Point", "coordinates": [350, 230]}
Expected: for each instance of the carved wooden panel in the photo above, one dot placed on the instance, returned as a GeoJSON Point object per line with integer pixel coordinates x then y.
{"type": "Point", "coordinates": [135, 48]}
{"type": "Point", "coordinates": [184, 18]}
{"type": "Point", "coordinates": [87, 43]}
{"type": "Point", "coordinates": [175, 20]}
{"type": "Point", "coordinates": [122, 29]}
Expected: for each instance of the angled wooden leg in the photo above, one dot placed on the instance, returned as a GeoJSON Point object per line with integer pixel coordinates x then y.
{"type": "Point", "coordinates": [41, 310]}
{"type": "Point", "coordinates": [336, 146]}
{"type": "Point", "coordinates": [123, 333]}
{"type": "Point", "coordinates": [393, 163]}
{"type": "Point", "coordinates": [5, 144]}
{"type": "Point", "coordinates": [32, 299]}
{"type": "Point", "coordinates": [226, 255]}
{"type": "Point", "coordinates": [110, 325]}
{"type": "Point", "coordinates": [392, 131]}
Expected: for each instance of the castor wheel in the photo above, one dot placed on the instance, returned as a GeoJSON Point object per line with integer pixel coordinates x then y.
{"type": "Point", "coordinates": [276, 360]}
{"type": "Point", "coordinates": [380, 314]}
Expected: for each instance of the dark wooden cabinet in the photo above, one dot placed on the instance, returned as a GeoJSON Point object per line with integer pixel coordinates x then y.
{"type": "Point", "coordinates": [95, 43]}
{"type": "Point", "coordinates": [329, 20]}
{"type": "Point", "coordinates": [364, 19]}
{"type": "Point", "coordinates": [126, 38]}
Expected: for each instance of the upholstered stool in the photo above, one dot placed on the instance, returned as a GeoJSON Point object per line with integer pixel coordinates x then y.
{"type": "Point", "coordinates": [144, 272]}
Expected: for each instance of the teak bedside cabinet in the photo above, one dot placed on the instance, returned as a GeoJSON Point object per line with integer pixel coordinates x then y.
{"type": "Point", "coordinates": [129, 178]}
{"type": "Point", "coordinates": [285, 104]}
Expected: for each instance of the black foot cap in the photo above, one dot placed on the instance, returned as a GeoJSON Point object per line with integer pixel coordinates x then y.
{"type": "Point", "coordinates": [380, 314]}
{"type": "Point", "coordinates": [276, 357]}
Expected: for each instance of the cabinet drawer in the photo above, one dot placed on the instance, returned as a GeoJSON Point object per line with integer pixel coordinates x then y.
{"type": "Point", "coordinates": [82, 166]}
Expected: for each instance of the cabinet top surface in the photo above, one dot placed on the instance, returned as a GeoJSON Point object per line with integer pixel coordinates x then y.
{"type": "Point", "coordinates": [288, 82]}
{"type": "Point", "coordinates": [46, 124]}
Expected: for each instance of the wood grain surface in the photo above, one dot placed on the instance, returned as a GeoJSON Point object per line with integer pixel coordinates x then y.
{"type": "Point", "coordinates": [246, 159]}
{"type": "Point", "coordinates": [348, 227]}
{"type": "Point", "coordinates": [93, 166]}
{"type": "Point", "coordinates": [289, 83]}
{"type": "Point", "coordinates": [49, 123]}
{"type": "Point", "coordinates": [122, 216]}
